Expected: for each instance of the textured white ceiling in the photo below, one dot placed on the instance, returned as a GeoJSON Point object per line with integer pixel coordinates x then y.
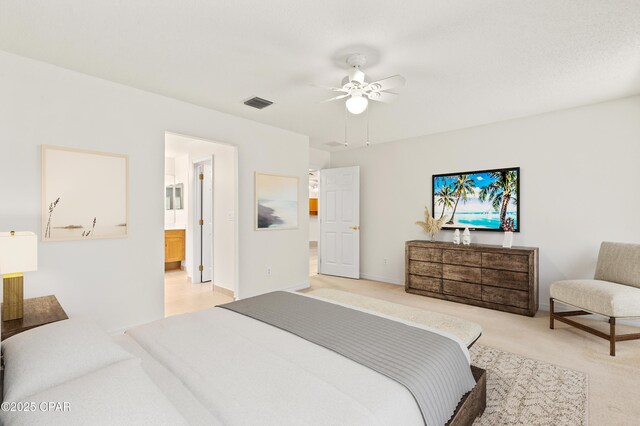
{"type": "Point", "coordinates": [466, 62]}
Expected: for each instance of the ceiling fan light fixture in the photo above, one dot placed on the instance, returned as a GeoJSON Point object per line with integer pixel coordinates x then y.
{"type": "Point", "coordinates": [356, 104]}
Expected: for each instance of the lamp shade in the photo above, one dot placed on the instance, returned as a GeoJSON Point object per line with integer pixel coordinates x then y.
{"type": "Point", "coordinates": [18, 252]}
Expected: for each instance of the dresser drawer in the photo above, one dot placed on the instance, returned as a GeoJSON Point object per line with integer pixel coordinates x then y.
{"type": "Point", "coordinates": [506, 279]}
{"type": "Point", "coordinates": [462, 257]}
{"type": "Point", "coordinates": [509, 262]}
{"type": "Point", "coordinates": [425, 268]}
{"type": "Point", "coordinates": [425, 254]}
{"type": "Point", "coordinates": [462, 273]}
{"type": "Point", "coordinates": [505, 296]}
{"type": "Point", "coordinates": [460, 289]}
{"type": "Point", "coordinates": [484, 275]}
{"type": "Point", "coordinates": [425, 283]}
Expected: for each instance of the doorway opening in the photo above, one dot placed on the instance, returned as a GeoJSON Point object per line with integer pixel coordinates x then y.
{"type": "Point", "coordinates": [201, 230]}
{"type": "Point", "coordinates": [314, 231]}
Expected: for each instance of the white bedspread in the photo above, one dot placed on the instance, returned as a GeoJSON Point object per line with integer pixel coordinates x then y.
{"type": "Point", "coordinates": [249, 373]}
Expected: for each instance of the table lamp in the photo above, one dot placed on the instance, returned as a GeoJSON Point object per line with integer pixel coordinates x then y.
{"type": "Point", "coordinates": [18, 254]}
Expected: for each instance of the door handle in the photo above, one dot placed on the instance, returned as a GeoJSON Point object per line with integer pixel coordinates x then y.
{"type": "Point", "coordinates": [355, 228]}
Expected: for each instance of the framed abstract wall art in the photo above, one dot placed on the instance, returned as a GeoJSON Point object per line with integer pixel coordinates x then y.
{"type": "Point", "coordinates": [84, 194]}
{"type": "Point", "coordinates": [276, 202]}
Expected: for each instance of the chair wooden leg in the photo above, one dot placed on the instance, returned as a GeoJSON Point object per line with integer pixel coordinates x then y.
{"type": "Point", "coordinates": [612, 336]}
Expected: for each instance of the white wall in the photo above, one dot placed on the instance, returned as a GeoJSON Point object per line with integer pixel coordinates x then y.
{"type": "Point", "coordinates": [319, 159]}
{"type": "Point", "coordinates": [579, 186]}
{"type": "Point", "coordinates": [119, 282]}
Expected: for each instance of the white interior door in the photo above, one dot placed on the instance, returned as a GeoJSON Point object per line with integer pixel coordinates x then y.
{"type": "Point", "coordinates": [204, 220]}
{"type": "Point", "coordinates": [339, 217]}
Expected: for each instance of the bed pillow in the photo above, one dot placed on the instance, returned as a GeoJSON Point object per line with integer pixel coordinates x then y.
{"type": "Point", "coordinates": [47, 356]}
{"type": "Point", "coordinates": [119, 394]}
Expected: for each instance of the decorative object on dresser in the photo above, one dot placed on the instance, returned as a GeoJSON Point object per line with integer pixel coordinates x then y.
{"type": "Point", "coordinates": [430, 225]}
{"type": "Point", "coordinates": [466, 237]}
{"type": "Point", "coordinates": [614, 292]}
{"type": "Point", "coordinates": [456, 236]}
{"type": "Point", "coordinates": [483, 275]}
{"type": "Point", "coordinates": [508, 226]}
{"type": "Point", "coordinates": [37, 311]}
{"type": "Point", "coordinates": [174, 248]}
{"type": "Point", "coordinates": [18, 254]}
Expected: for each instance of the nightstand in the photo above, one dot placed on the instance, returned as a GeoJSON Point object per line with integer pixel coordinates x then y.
{"type": "Point", "coordinates": [37, 311]}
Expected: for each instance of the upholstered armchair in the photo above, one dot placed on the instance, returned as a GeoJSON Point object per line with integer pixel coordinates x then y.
{"type": "Point", "coordinates": [614, 292]}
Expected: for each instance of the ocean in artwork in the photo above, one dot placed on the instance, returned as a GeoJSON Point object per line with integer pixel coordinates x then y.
{"type": "Point", "coordinates": [274, 214]}
{"type": "Point", "coordinates": [482, 220]}
{"type": "Point", "coordinates": [480, 200]}
{"type": "Point", "coordinates": [78, 232]}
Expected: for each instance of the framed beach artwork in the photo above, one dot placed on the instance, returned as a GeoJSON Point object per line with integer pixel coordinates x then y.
{"type": "Point", "coordinates": [482, 200]}
{"type": "Point", "coordinates": [84, 194]}
{"type": "Point", "coordinates": [276, 202]}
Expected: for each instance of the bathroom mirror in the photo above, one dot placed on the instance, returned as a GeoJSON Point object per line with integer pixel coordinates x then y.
{"type": "Point", "coordinates": [178, 190]}
{"type": "Point", "coordinates": [173, 194]}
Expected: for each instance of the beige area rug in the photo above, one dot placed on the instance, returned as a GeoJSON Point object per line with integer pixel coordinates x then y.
{"type": "Point", "coordinates": [523, 391]}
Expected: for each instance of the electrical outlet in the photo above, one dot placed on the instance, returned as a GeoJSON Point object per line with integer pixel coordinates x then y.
{"type": "Point", "coordinates": [386, 261]}
{"type": "Point", "coordinates": [268, 271]}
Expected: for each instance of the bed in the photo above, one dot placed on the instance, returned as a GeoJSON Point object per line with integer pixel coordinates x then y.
{"type": "Point", "coordinates": [220, 366]}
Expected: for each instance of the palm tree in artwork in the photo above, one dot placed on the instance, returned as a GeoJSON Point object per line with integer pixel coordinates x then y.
{"type": "Point", "coordinates": [462, 187]}
{"type": "Point", "coordinates": [445, 198]}
{"type": "Point", "coordinates": [501, 191]}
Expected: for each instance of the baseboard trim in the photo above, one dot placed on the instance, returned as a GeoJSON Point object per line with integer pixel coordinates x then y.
{"type": "Point", "coordinates": [298, 287]}
{"type": "Point", "coordinates": [382, 279]}
{"type": "Point", "coordinates": [224, 291]}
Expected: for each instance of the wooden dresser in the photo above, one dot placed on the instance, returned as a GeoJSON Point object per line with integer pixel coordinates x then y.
{"type": "Point", "coordinates": [174, 248]}
{"type": "Point", "coordinates": [490, 276]}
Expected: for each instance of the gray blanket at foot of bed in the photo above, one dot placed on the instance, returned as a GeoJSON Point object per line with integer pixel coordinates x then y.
{"type": "Point", "coordinates": [432, 367]}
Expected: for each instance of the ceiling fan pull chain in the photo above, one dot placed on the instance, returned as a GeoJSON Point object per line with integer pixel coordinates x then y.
{"type": "Point", "coordinates": [368, 126]}
{"type": "Point", "coordinates": [346, 144]}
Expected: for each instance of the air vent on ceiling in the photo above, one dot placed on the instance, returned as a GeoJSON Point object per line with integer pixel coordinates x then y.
{"type": "Point", "coordinates": [257, 102]}
{"type": "Point", "coordinates": [333, 143]}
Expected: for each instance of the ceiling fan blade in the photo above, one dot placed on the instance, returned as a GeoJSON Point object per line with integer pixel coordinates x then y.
{"type": "Point", "coordinates": [387, 83]}
{"type": "Point", "coordinates": [333, 89]}
{"type": "Point", "coordinates": [382, 96]}
{"type": "Point", "coordinates": [335, 98]}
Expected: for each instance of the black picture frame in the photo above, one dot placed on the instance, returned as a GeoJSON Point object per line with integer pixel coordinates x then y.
{"type": "Point", "coordinates": [503, 169]}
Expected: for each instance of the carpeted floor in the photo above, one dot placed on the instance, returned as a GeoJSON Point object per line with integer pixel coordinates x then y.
{"type": "Point", "coordinates": [526, 392]}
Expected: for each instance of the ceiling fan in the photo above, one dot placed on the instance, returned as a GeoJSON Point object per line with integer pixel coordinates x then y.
{"type": "Point", "coordinates": [358, 92]}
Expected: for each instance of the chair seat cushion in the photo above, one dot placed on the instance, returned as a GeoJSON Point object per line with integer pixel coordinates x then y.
{"type": "Point", "coordinates": [601, 297]}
